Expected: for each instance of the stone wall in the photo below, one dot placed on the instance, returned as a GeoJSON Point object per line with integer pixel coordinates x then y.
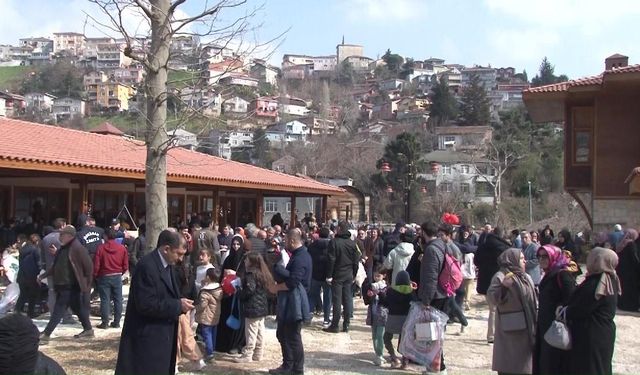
{"type": "Point", "coordinates": [608, 212]}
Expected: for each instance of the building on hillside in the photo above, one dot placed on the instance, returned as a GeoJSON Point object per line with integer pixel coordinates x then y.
{"type": "Point", "coordinates": [110, 56]}
{"type": "Point", "coordinates": [14, 104]}
{"type": "Point", "coordinates": [510, 95]}
{"type": "Point", "coordinates": [459, 176]}
{"type": "Point", "coordinates": [224, 143]}
{"type": "Point", "coordinates": [41, 50]}
{"type": "Point", "coordinates": [91, 81]}
{"type": "Point", "coordinates": [281, 134]}
{"type": "Point", "coordinates": [66, 108]}
{"type": "Point", "coordinates": [235, 105]}
{"type": "Point", "coordinates": [348, 50]}
{"type": "Point", "coordinates": [90, 49]}
{"type": "Point", "coordinates": [49, 172]}
{"type": "Point", "coordinates": [292, 106]}
{"type": "Point", "coordinates": [359, 63]}
{"type": "Point", "coordinates": [69, 42]}
{"type": "Point", "coordinates": [600, 115]}
{"type": "Point", "coordinates": [453, 77]}
{"type": "Point", "coordinates": [21, 54]}
{"type": "Point", "coordinates": [505, 75]}
{"type": "Point", "coordinates": [3, 109]}
{"type": "Point", "coordinates": [299, 72]}
{"type": "Point", "coordinates": [265, 73]}
{"type": "Point", "coordinates": [486, 75]}
{"type": "Point", "coordinates": [212, 53]}
{"type": "Point", "coordinates": [205, 101]}
{"type": "Point", "coordinates": [107, 128]}
{"type": "Point", "coordinates": [131, 75]}
{"type": "Point", "coordinates": [222, 69]}
{"type": "Point", "coordinates": [5, 52]}
{"type": "Point", "coordinates": [319, 126]}
{"type": "Point", "coordinates": [265, 107]}
{"type": "Point", "coordinates": [391, 84]}
{"type": "Point", "coordinates": [183, 138]}
{"type": "Point", "coordinates": [39, 102]}
{"type": "Point", "coordinates": [113, 96]}
{"type": "Point", "coordinates": [289, 60]}
{"type": "Point", "coordinates": [463, 138]}
{"type": "Point", "coordinates": [238, 80]}
{"type": "Point", "coordinates": [385, 109]}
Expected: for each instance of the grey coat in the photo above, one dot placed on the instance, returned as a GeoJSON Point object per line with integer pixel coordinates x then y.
{"type": "Point", "coordinates": [512, 351]}
{"type": "Point", "coordinates": [430, 267]}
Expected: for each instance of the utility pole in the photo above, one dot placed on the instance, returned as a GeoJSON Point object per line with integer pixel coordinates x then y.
{"type": "Point", "coordinates": [530, 206]}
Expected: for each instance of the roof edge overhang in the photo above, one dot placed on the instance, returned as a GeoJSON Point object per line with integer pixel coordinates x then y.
{"type": "Point", "coordinates": [545, 107]}
{"type": "Point", "coordinates": [78, 169]}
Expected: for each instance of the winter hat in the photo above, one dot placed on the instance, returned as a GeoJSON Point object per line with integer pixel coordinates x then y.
{"type": "Point", "coordinates": [18, 345]}
{"type": "Point", "coordinates": [408, 236]}
{"type": "Point", "coordinates": [402, 278]}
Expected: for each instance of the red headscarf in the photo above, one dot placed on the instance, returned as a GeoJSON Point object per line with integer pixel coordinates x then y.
{"type": "Point", "coordinates": [557, 260]}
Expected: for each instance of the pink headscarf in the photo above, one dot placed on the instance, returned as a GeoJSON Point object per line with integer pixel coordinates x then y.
{"type": "Point", "coordinates": [557, 260]}
{"type": "Point", "coordinates": [630, 235]}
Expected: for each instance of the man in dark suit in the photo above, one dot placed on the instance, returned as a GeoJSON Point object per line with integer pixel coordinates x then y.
{"type": "Point", "coordinates": [149, 337]}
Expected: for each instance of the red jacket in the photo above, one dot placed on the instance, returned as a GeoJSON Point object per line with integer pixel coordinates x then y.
{"type": "Point", "coordinates": [111, 258]}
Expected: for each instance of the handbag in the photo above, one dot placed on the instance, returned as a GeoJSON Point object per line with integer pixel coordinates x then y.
{"type": "Point", "coordinates": [558, 334]}
{"type": "Point", "coordinates": [513, 321]}
{"type": "Point", "coordinates": [233, 321]}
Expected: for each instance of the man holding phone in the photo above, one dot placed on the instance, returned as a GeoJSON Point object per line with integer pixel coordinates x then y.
{"type": "Point", "coordinates": [148, 344]}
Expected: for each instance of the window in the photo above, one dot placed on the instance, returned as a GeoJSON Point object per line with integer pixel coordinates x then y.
{"type": "Point", "coordinates": [483, 189]}
{"type": "Point", "coordinates": [464, 187]}
{"type": "Point", "coordinates": [288, 207]}
{"type": "Point", "coordinates": [446, 187]}
{"type": "Point", "coordinates": [270, 205]}
{"type": "Point", "coordinates": [446, 169]}
{"type": "Point", "coordinates": [464, 169]}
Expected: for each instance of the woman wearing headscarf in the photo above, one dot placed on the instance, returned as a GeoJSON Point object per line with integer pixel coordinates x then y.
{"type": "Point", "coordinates": [628, 271]}
{"type": "Point", "coordinates": [513, 293]}
{"type": "Point", "coordinates": [554, 290]}
{"type": "Point", "coordinates": [227, 339]}
{"type": "Point", "coordinates": [565, 241]}
{"type": "Point", "coordinates": [590, 314]}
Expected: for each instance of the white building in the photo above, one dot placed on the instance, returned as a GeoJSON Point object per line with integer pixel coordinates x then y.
{"type": "Point", "coordinates": [183, 138]}
{"type": "Point", "coordinates": [68, 41]}
{"type": "Point", "coordinates": [66, 108]}
{"type": "Point", "coordinates": [235, 105]}
{"type": "Point", "coordinates": [282, 134]}
{"type": "Point", "coordinates": [292, 106]}
{"type": "Point", "coordinates": [3, 109]}
{"type": "Point", "coordinates": [39, 101]}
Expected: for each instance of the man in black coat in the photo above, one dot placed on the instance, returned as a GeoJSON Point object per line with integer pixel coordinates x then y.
{"type": "Point", "coordinates": [342, 268]}
{"type": "Point", "coordinates": [486, 260]}
{"type": "Point", "coordinates": [296, 275]}
{"type": "Point", "coordinates": [149, 339]}
{"type": "Point", "coordinates": [319, 255]}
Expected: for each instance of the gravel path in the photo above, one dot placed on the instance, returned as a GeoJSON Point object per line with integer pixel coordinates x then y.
{"type": "Point", "coordinates": [342, 353]}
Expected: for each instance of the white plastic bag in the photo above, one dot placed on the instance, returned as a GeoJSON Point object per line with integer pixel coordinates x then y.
{"type": "Point", "coordinates": [423, 336]}
{"type": "Point", "coordinates": [9, 299]}
{"type": "Point", "coordinates": [361, 276]}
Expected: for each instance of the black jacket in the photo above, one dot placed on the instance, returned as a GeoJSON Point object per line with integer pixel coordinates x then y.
{"type": "Point", "coordinates": [398, 302]}
{"type": "Point", "coordinates": [319, 251]}
{"type": "Point", "coordinates": [343, 258]}
{"type": "Point", "coordinates": [253, 296]}
{"type": "Point", "coordinates": [29, 260]}
{"type": "Point", "coordinates": [486, 259]}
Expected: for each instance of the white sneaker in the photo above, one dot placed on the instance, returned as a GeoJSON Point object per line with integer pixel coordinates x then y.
{"type": "Point", "coordinates": [379, 361]}
{"type": "Point", "coordinates": [199, 364]}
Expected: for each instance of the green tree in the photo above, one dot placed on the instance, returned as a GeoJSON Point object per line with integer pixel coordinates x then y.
{"type": "Point", "coordinates": [474, 104]}
{"type": "Point", "coordinates": [346, 75]}
{"type": "Point", "coordinates": [546, 75]}
{"type": "Point", "coordinates": [404, 156]}
{"type": "Point", "coordinates": [59, 79]}
{"type": "Point", "coordinates": [444, 106]}
{"type": "Point", "coordinates": [394, 61]}
{"type": "Point", "coordinates": [262, 149]}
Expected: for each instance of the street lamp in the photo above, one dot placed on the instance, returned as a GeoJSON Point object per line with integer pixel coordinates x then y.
{"type": "Point", "coordinates": [530, 206]}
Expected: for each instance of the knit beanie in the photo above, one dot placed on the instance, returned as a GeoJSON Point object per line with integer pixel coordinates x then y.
{"type": "Point", "coordinates": [402, 278]}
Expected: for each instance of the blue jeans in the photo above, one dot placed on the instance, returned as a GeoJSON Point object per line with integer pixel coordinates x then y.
{"type": "Point", "coordinates": [314, 297]}
{"type": "Point", "coordinates": [110, 288]}
{"type": "Point", "coordinates": [209, 337]}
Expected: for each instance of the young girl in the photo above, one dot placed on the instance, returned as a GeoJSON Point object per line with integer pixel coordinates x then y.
{"type": "Point", "coordinates": [375, 318]}
{"type": "Point", "coordinates": [398, 300]}
{"type": "Point", "coordinates": [253, 297]}
{"type": "Point", "coordinates": [208, 310]}
{"type": "Point", "coordinates": [205, 264]}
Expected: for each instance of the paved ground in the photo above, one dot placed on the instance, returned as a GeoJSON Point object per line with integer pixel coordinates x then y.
{"type": "Point", "coordinates": [326, 353]}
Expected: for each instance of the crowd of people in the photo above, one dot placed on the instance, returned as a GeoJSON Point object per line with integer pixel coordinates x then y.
{"type": "Point", "coordinates": [205, 289]}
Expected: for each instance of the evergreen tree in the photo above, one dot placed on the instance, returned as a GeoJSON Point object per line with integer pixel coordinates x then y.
{"type": "Point", "coordinates": [475, 106]}
{"type": "Point", "coordinates": [394, 61]}
{"type": "Point", "coordinates": [444, 106]}
{"type": "Point", "coordinates": [346, 75]}
{"type": "Point", "coordinates": [546, 75]}
{"type": "Point", "coordinates": [262, 149]}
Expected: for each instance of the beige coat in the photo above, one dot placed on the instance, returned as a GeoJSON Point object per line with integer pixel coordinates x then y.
{"type": "Point", "coordinates": [209, 306]}
{"type": "Point", "coordinates": [512, 351]}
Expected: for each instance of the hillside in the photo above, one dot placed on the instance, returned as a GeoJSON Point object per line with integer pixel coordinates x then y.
{"type": "Point", "coordinates": [11, 76]}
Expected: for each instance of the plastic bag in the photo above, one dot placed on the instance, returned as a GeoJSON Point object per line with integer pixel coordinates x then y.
{"type": "Point", "coordinates": [9, 298]}
{"type": "Point", "coordinates": [415, 344]}
{"type": "Point", "coordinates": [360, 276]}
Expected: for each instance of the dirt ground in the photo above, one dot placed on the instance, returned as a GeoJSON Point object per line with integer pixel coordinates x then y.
{"type": "Point", "coordinates": [343, 353]}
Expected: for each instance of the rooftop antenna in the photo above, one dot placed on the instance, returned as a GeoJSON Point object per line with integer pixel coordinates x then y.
{"type": "Point", "coordinates": [342, 39]}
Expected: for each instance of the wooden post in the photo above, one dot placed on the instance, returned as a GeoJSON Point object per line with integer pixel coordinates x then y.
{"type": "Point", "coordinates": [12, 201]}
{"type": "Point", "coordinates": [259, 208]}
{"type": "Point", "coordinates": [292, 214]}
{"type": "Point", "coordinates": [324, 209]}
{"type": "Point", "coordinates": [216, 207]}
{"type": "Point", "coordinates": [184, 207]}
{"type": "Point", "coordinates": [70, 218]}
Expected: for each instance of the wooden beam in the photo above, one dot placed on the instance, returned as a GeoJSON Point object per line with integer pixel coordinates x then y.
{"type": "Point", "coordinates": [12, 201]}
{"type": "Point", "coordinates": [292, 214]}
{"type": "Point", "coordinates": [216, 206]}
{"type": "Point", "coordinates": [70, 218]}
{"type": "Point", "coordinates": [323, 213]}
{"type": "Point", "coordinates": [259, 208]}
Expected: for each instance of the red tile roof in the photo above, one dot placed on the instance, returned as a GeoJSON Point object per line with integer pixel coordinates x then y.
{"type": "Point", "coordinates": [585, 81]}
{"type": "Point", "coordinates": [27, 145]}
{"type": "Point", "coordinates": [107, 128]}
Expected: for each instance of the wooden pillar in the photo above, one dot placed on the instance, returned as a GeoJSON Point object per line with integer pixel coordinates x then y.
{"type": "Point", "coordinates": [70, 218]}
{"type": "Point", "coordinates": [184, 206]}
{"type": "Point", "coordinates": [259, 208]}
{"type": "Point", "coordinates": [12, 201]}
{"type": "Point", "coordinates": [324, 209]}
{"type": "Point", "coordinates": [292, 214]}
{"type": "Point", "coordinates": [216, 206]}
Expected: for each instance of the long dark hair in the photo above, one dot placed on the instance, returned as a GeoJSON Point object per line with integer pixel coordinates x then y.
{"type": "Point", "coordinates": [257, 265]}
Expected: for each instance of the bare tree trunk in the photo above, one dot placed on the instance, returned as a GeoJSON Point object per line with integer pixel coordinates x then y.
{"type": "Point", "coordinates": [156, 132]}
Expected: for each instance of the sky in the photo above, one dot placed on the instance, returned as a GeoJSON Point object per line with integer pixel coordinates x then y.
{"type": "Point", "coordinates": [575, 35]}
